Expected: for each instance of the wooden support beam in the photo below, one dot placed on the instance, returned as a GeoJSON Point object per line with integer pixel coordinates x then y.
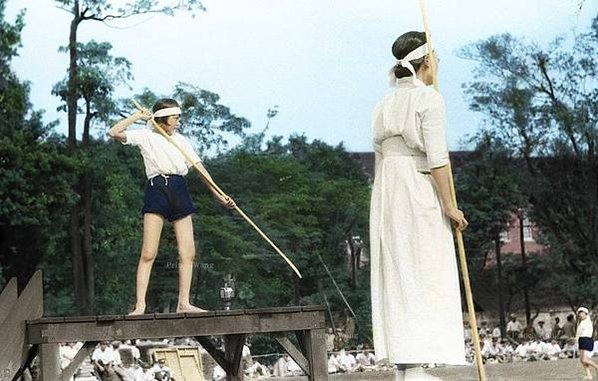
{"type": "Point", "coordinates": [314, 343]}
{"type": "Point", "coordinates": [83, 353]}
{"type": "Point", "coordinates": [216, 353]}
{"type": "Point", "coordinates": [15, 349]}
{"type": "Point", "coordinates": [8, 298]}
{"type": "Point", "coordinates": [49, 362]}
{"type": "Point", "coordinates": [295, 353]}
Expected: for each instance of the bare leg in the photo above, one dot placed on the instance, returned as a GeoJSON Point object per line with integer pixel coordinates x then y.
{"type": "Point", "coordinates": [152, 228]}
{"type": "Point", "coordinates": [183, 230]}
{"type": "Point", "coordinates": [587, 364]}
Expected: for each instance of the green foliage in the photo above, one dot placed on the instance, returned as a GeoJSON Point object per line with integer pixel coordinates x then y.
{"type": "Point", "coordinates": [542, 103]}
{"type": "Point", "coordinates": [98, 74]}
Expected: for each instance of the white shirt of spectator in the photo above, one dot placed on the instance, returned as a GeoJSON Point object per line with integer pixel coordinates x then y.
{"type": "Point", "coordinates": [585, 328]}
{"type": "Point", "coordinates": [106, 356]}
{"type": "Point", "coordinates": [522, 350]}
{"type": "Point", "coordinates": [367, 359]}
{"type": "Point", "coordinates": [496, 332]}
{"type": "Point", "coordinates": [161, 157]}
{"type": "Point", "coordinates": [514, 326]}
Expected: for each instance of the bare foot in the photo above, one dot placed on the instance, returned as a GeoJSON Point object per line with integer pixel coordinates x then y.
{"type": "Point", "coordinates": [189, 308]}
{"type": "Point", "coordinates": [138, 311]}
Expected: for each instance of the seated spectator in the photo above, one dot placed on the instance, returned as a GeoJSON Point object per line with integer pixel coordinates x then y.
{"type": "Point", "coordinates": [365, 359]}
{"type": "Point", "coordinates": [522, 351]}
{"type": "Point", "coordinates": [535, 350]}
{"type": "Point", "coordinates": [281, 367]}
{"type": "Point", "coordinates": [551, 350]}
{"type": "Point", "coordinates": [103, 362]}
{"type": "Point", "coordinates": [496, 331]}
{"type": "Point", "coordinates": [256, 370]}
{"type": "Point", "coordinates": [506, 350]}
{"type": "Point", "coordinates": [569, 349]}
{"type": "Point", "coordinates": [541, 331]}
{"type": "Point", "coordinates": [347, 360]}
{"type": "Point", "coordinates": [333, 364]}
{"type": "Point", "coordinates": [162, 372]}
{"type": "Point", "coordinates": [484, 330]}
{"type": "Point", "coordinates": [514, 328]}
{"type": "Point", "coordinates": [491, 352]}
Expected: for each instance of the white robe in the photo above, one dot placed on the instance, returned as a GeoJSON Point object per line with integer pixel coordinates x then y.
{"type": "Point", "coordinates": [416, 302]}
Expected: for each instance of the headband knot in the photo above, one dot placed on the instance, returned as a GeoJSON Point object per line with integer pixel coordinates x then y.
{"type": "Point", "coordinates": [416, 53]}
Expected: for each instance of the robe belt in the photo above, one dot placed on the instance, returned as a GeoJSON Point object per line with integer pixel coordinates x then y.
{"type": "Point", "coordinates": [396, 146]}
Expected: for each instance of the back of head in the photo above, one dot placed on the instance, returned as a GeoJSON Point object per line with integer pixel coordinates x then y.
{"type": "Point", "coordinates": [404, 45]}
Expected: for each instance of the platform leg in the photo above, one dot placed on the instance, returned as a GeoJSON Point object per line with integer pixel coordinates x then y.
{"type": "Point", "coordinates": [49, 362]}
{"type": "Point", "coordinates": [313, 343]}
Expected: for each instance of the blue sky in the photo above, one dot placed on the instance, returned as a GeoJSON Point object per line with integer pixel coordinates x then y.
{"type": "Point", "coordinates": [324, 63]}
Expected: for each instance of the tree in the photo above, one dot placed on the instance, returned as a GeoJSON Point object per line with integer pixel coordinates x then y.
{"type": "Point", "coordinates": [489, 182]}
{"type": "Point", "coordinates": [544, 103]}
{"type": "Point", "coordinates": [34, 171]}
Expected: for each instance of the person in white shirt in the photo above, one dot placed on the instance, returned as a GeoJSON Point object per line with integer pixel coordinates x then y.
{"type": "Point", "coordinates": [161, 371]}
{"type": "Point", "coordinates": [365, 359]}
{"type": "Point", "coordinates": [496, 332]}
{"type": "Point", "coordinates": [347, 360]}
{"type": "Point", "coordinates": [569, 349]}
{"type": "Point", "coordinates": [281, 367]}
{"type": "Point", "coordinates": [552, 350]}
{"type": "Point", "coordinates": [584, 333]}
{"type": "Point", "coordinates": [166, 194]}
{"type": "Point", "coordinates": [521, 352]}
{"type": "Point", "coordinates": [541, 332]}
{"type": "Point", "coordinates": [514, 327]}
{"type": "Point", "coordinates": [103, 360]}
{"type": "Point", "coordinates": [334, 365]}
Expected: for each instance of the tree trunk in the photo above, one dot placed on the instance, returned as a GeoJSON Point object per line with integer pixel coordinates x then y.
{"type": "Point", "coordinates": [501, 304]}
{"type": "Point", "coordinates": [71, 97]}
{"type": "Point", "coordinates": [528, 313]}
{"type": "Point", "coordinates": [88, 260]}
{"type": "Point", "coordinates": [87, 201]}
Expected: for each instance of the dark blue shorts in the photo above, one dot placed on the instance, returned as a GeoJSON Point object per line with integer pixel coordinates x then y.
{"type": "Point", "coordinates": [586, 343]}
{"type": "Point", "coordinates": [168, 196]}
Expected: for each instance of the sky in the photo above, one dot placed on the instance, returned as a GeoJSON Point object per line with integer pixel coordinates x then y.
{"type": "Point", "coordinates": [323, 63]}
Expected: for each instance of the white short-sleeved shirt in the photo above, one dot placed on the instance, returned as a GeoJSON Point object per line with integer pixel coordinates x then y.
{"type": "Point", "coordinates": [106, 356]}
{"type": "Point", "coordinates": [585, 328]}
{"type": "Point", "coordinates": [160, 156]}
{"type": "Point", "coordinates": [417, 113]}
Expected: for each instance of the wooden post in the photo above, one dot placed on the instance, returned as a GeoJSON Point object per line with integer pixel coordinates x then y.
{"type": "Point", "coordinates": [313, 343]}
{"type": "Point", "coordinates": [15, 349]}
{"type": "Point", "coordinates": [49, 362]}
{"type": "Point", "coordinates": [8, 298]}
{"type": "Point", "coordinates": [233, 352]}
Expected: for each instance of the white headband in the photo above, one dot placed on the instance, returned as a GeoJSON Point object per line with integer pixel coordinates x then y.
{"type": "Point", "coordinates": [583, 309]}
{"type": "Point", "coordinates": [404, 62]}
{"type": "Point", "coordinates": [167, 112]}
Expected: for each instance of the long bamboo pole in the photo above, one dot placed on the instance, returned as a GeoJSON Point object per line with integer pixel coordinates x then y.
{"type": "Point", "coordinates": [219, 191]}
{"type": "Point", "coordinates": [460, 245]}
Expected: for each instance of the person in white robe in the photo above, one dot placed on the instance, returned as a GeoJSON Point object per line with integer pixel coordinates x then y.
{"type": "Point", "coordinates": [416, 300]}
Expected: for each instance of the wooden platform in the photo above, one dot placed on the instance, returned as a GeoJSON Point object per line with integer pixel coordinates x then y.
{"type": "Point", "coordinates": [150, 326]}
{"type": "Point", "coordinates": [33, 335]}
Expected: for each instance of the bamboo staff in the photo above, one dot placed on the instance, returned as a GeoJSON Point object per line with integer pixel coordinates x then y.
{"type": "Point", "coordinates": [460, 246]}
{"type": "Point", "coordinates": [219, 191]}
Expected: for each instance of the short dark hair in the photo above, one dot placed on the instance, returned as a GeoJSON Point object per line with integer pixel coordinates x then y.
{"type": "Point", "coordinates": [161, 104]}
{"type": "Point", "coordinates": [403, 46]}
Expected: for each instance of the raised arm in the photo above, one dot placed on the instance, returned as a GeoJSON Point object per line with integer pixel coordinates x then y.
{"type": "Point", "coordinates": [117, 131]}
